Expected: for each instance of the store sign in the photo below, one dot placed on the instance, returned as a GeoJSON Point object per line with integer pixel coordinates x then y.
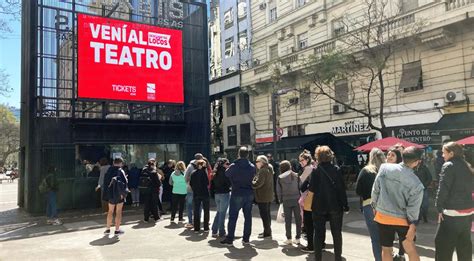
{"type": "Point", "coordinates": [420, 134]}
{"type": "Point", "coordinates": [351, 127]}
{"type": "Point", "coordinates": [120, 60]}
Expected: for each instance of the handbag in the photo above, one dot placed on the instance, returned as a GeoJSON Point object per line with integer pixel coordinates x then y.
{"type": "Point", "coordinates": [280, 218]}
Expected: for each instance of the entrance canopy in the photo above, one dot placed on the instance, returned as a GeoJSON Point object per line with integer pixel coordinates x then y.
{"type": "Point", "coordinates": [386, 143]}
{"type": "Point", "coordinates": [466, 141]}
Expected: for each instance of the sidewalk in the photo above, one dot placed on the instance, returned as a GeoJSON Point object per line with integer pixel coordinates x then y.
{"type": "Point", "coordinates": [80, 237]}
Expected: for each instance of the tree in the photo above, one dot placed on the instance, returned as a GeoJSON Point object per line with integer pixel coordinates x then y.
{"type": "Point", "coordinates": [4, 83]}
{"type": "Point", "coordinates": [9, 134]}
{"type": "Point", "coordinates": [367, 42]}
{"type": "Point", "coordinates": [9, 10]}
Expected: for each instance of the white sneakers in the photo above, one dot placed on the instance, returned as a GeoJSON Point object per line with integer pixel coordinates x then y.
{"type": "Point", "coordinates": [54, 222]}
{"type": "Point", "coordinates": [290, 242]}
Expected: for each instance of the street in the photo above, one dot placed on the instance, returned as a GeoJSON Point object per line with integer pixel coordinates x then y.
{"type": "Point", "coordinates": [24, 237]}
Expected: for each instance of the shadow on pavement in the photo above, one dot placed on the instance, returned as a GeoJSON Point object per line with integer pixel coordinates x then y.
{"type": "Point", "coordinates": [190, 235]}
{"type": "Point", "coordinates": [247, 252]}
{"type": "Point", "coordinates": [265, 244]}
{"type": "Point", "coordinates": [142, 224]}
{"type": "Point", "coordinates": [105, 240]}
{"type": "Point", "coordinates": [174, 226]}
{"type": "Point", "coordinates": [292, 251]}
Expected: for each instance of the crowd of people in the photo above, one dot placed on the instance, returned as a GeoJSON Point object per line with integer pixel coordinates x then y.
{"type": "Point", "coordinates": [392, 188]}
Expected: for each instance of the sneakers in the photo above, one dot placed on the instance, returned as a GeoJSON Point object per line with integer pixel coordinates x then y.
{"type": "Point", "coordinates": [261, 235]}
{"type": "Point", "coordinates": [288, 242]}
{"type": "Point", "coordinates": [107, 231]}
{"type": "Point", "coordinates": [398, 258]}
{"type": "Point", "coordinates": [171, 220]}
{"type": "Point", "coordinates": [181, 220]}
{"type": "Point", "coordinates": [307, 250]}
{"type": "Point", "coordinates": [188, 225]}
{"type": "Point", "coordinates": [119, 232]}
{"type": "Point", "coordinates": [56, 222]}
{"type": "Point", "coordinates": [206, 230]}
{"type": "Point", "coordinates": [296, 241]}
{"type": "Point", "coordinates": [215, 235]}
{"type": "Point", "coordinates": [49, 221]}
{"type": "Point", "coordinates": [226, 242]}
{"type": "Point", "coordinates": [245, 242]}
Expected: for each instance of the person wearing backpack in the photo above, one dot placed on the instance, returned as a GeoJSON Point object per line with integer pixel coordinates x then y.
{"type": "Point", "coordinates": [200, 185]}
{"type": "Point", "coordinates": [115, 191]}
{"type": "Point", "coordinates": [288, 192]}
{"type": "Point", "coordinates": [50, 186]}
{"type": "Point", "coordinates": [151, 180]}
{"type": "Point", "coordinates": [178, 184]}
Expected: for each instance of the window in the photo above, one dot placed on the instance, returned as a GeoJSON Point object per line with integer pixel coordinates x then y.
{"type": "Point", "coordinates": [296, 130]}
{"type": "Point", "coordinates": [305, 98]}
{"type": "Point", "coordinates": [245, 134]}
{"type": "Point", "coordinates": [300, 3]}
{"type": "Point", "coordinates": [338, 28]}
{"type": "Point", "coordinates": [244, 103]}
{"type": "Point", "coordinates": [302, 41]}
{"type": "Point", "coordinates": [273, 15]}
{"type": "Point", "coordinates": [242, 9]}
{"type": "Point", "coordinates": [243, 44]}
{"type": "Point", "coordinates": [232, 135]}
{"type": "Point", "coordinates": [273, 52]}
{"type": "Point", "coordinates": [472, 70]}
{"type": "Point", "coordinates": [228, 19]}
{"type": "Point", "coordinates": [412, 78]}
{"type": "Point", "coordinates": [408, 5]}
{"type": "Point", "coordinates": [229, 47]}
{"type": "Point", "coordinates": [231, 106]}
{"type": "Point", "coordinates": [341, 89]}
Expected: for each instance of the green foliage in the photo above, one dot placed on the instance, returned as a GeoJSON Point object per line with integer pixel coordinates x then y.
{"type": "Point", "coordinates": [9, 134]}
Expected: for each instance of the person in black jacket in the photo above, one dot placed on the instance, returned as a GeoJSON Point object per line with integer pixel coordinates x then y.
{"type": "Point", "coordinates": [424, 174]}
{"type": "Point", "coordinates": [455, 206]}
{"type": "Point", "coordinates": [200, 185]}
{"type": "Point", "coordinates": [152, 193]}
{"type": "Point", "coordinates": [220, 188]}
{"type": "Point", "coordinates": [329, 201]}
{"type": "Point", "coordinates": [365, 181]}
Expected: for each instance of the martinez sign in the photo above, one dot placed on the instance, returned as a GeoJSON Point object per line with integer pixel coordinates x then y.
{"type": "Point", "coordinates": [350, 127]}
{"type": "Point", "coordinates": [120, 60]}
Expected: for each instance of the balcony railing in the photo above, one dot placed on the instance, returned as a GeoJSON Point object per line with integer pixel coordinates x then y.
{"type": "Point", "coordinates": [454, 4]}
{"type": "Point", "coordinates": [261, 69]}
{"type": "Point", "coordinates": [324, 48]}
{"type": "Point", "coordinates": [399, 22]}
{"type": "Point", "coordinates": [290, 59]}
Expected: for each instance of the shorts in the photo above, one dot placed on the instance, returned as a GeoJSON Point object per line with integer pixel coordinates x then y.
{"type": "Point", "coordinates": [387, 234]}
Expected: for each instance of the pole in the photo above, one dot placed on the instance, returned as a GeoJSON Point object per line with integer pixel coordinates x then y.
{"type": "Point", "coordinates": [273, 101]}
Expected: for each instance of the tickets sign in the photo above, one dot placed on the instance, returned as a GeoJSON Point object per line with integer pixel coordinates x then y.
{"type": "Point", "coordinates": [127, 61]}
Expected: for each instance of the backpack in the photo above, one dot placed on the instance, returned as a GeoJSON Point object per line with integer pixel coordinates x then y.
{"type": "Point", "coordinates": [144, 182]}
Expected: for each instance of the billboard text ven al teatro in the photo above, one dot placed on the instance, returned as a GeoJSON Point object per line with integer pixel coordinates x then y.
{"type": "Point", "coordinates": [120, 60]}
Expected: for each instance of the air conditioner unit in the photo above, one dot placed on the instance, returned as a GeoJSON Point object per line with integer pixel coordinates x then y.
{"type": "Point", "coordinates": [338, 108]}
{"type": "Point", "coordinates": [311, 22]}
{"type": "Point", "coordinates": [293, 101]}
{"type": "Point", "coordinates": [281, 34]}
{"type": "Point", "coordinates": [262, 6]}
{"type": "Point", "coordinates": [454, 96]}
{"type": "Point", "coordinates": [256, 62]}
{"type": "Point", "coordinates": [289, 31]}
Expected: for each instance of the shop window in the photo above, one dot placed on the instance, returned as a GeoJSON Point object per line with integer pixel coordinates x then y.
{"type": "Point", "coordinates": [302, 41]}
{"type": "Point", "coordinates": [245, 134]}
{"type": "Point", "coordinates": [229, 47]}
{"type": "Point", "coordinates": [412, 77]}
{"type": "Point", "coordinates": [242, 9]}
{"type": "Point", "coordinates": [228, 19]}
{"type": "Point", "coordinates": [231, 106]}
{"type": "Point", "coordinates": [244, 102]}
{"type": "Point", "coordinates": [296, 130]}
{"type": "Point", "coordinates": [305, 98]}
{"type": "Point", "coordinates": [232, 135]}
{"type": "Point", "coordinates": [273, 50]}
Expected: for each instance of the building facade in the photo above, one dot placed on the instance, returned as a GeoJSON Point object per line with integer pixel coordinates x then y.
{"type": "Point", "coordinates": [429, 74]}
{"type": "Point", "coordinates": [230, 54]}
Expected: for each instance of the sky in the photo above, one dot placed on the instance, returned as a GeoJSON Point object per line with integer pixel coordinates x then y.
{"type": "Point", "coordinates": [10, 59]}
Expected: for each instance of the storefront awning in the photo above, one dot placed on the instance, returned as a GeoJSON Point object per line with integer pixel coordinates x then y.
{"type": "Point", "coordinates": [456, 122]}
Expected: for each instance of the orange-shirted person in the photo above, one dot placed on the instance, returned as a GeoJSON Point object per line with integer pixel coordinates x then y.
{"type": "Point", "coordinates": [396, 198]}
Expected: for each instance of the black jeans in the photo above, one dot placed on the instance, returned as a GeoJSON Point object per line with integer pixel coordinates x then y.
{"type": "Point", "coordinates": [454, 233]}
{"type": "Point", "coordinates": [264, 209]}
{"type": "Point", "coordinates": [151, 206]}
{"type": "Point", "coordinates": [177, 201]}
{"type": "Point", "coordinates": [335, 221]}
{"type": "Point", "coordinates": [197, 200]}
{"type": "Point", "coordinates": [308, 225]}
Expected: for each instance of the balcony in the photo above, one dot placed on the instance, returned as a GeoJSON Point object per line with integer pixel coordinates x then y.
{"type": "Point", "coordinates": [455, 4]}
{"type": "Point", "coordinates": [261, 69]}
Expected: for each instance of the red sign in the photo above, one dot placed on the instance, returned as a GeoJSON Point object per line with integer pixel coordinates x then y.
{"type": "Point", "coordinates": [120, 60]}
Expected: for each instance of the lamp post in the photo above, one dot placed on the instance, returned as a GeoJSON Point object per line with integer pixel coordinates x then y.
{"type": "Point", "coordinates": [275, 95]}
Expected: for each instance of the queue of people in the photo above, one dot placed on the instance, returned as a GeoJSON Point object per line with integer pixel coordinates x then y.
{"type": "Point", "coordinates": [392, 190]}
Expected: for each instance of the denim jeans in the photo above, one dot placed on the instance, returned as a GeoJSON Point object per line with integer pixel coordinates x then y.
{"type": "Point", "coordinates": [51, 209]}
{"type": "Point", "coordinates": [222, 204]}
{"type": "Point", "coordinates": [189, 207]}
{"type": "Point", "coordinates": [236, 203]}
{"type": "Point", "coordinates": [135, 195]}
{"type": "Point", "coordinates": [373, 231]}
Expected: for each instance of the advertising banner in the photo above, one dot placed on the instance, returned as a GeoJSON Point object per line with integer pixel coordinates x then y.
{"type": "Point", "coordinates": [119, 60]}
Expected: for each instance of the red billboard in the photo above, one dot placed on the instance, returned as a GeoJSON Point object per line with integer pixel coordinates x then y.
{"type": "Point", "coordinates": [120, 60]}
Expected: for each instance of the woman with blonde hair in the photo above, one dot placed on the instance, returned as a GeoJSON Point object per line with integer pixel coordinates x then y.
{"type": "Point", "coordinates": [178, 182]}
{"type": "Point", "coordinates": [263, 187]}
{"type": "Point", "coordinates": [365, 181]}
